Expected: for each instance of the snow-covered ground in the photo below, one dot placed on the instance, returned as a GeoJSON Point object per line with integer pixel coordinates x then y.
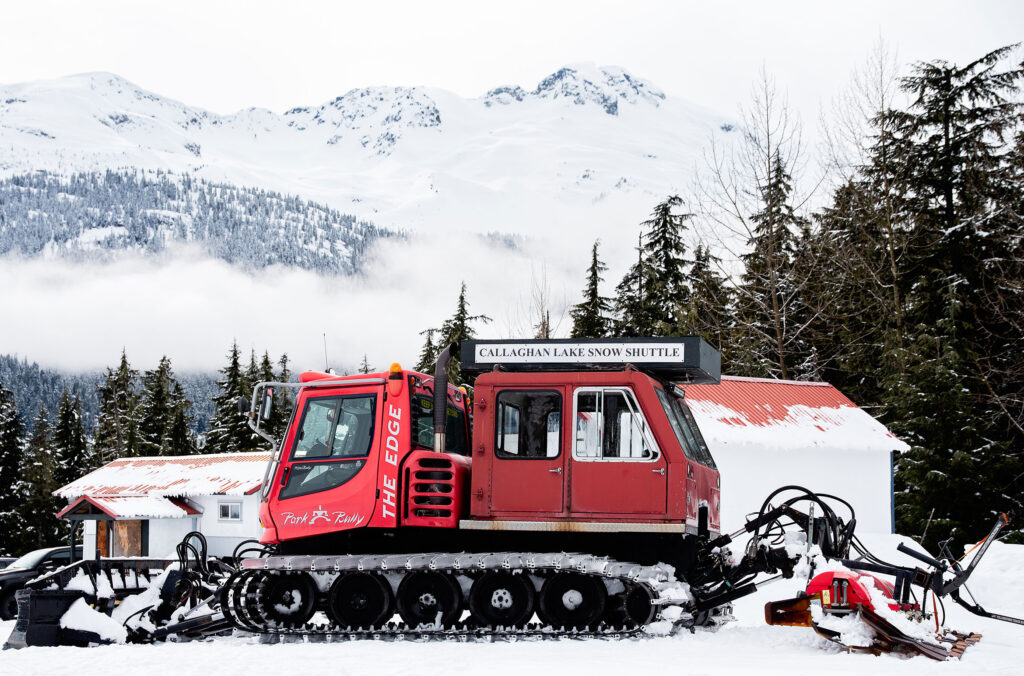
{"type": "Point", "coordinates": [746, 646]}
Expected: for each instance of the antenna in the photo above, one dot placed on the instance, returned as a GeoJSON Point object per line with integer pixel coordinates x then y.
{"type": "Point", "coordinates": [327, 367]}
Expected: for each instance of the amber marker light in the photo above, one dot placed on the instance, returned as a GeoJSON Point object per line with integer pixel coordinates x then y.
{"type": "Point", "coordinates": [395, 379]}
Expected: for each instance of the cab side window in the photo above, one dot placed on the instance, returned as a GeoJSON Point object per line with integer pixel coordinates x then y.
{"type": "Point", "coordinates": [528, 424]}
{"type": "Point", "coordinates": [610, 426]}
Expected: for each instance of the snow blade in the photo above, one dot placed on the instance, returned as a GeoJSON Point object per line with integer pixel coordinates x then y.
{"type": "Point", "coordinates": [890, 634]}
{"type": "Point", "coordinates": [794, 612]}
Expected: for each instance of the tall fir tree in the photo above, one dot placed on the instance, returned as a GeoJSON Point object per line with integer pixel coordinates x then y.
{"type": "Point", "coordinates": [73, 452]}
{"type": "Point", "coordinates": [180, 439]}
{"type": "Point", "coordinates": [768, 295]}
{"type": "Point", "coordinates": [117, 423]}
{"type": "Point", "coordinates": [668, 293]}
{"type": "Point", "coordinates": [590, 317]}
{"type": "Point", "coordinates": [40, 527]}
{"type": "Point", "coordinates": [709, 313]}
{"type": "Point", "coordinates": [364, 366]}
{"type": "Point", "coordinates": [428, 355]}
{"type": "Point", "coordinates": [12, 442]}
{"type": "Point", "coordinates": [455, 330]}
{"type": "Point", "coordinates": [228, 431]}
{"type": "Point", "coordinates": [156, 408]}
{"type": "Point", "coordinates": [282, 398]}
{"type": "Point", "coordinates": [953, 136]}
{"type": "Point", "coordinates": [634, 313]}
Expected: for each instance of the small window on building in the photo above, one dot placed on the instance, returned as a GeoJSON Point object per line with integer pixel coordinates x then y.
{"type": "Point", "coordinates": [230, 511]}
{"type": "Point", "coordinates": [610, 426]}
{"type": "Point", "coordinates": [528, 424]}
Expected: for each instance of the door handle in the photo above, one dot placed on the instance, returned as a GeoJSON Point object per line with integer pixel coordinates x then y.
{"type": "Point", "coordinates": [557, 470]}
{"type": "Point", "coordinates": [659, 471]}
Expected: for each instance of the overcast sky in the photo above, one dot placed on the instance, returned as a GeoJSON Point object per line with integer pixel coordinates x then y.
{"type": "Point", "coordinates": [224, 56]}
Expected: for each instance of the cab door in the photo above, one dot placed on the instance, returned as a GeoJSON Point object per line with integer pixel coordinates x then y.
{"type": "Point", "coordinates": [527, 469]}
{"type": "Point", "coordinates": [326, 480]}
{"type": "Point", "coordinates": [616, 467]}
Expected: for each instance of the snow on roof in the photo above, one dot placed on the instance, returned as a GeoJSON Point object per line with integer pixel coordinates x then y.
{"type": "Point", "coordinates": [173, 476]}
{"type": "Point", "coordinates": [134, 507]}
{"type": "Point", "coordinates": [783, 415]}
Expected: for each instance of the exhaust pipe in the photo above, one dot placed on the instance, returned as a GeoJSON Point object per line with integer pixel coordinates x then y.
{"type": "Point", "coordinates": [441, 395]}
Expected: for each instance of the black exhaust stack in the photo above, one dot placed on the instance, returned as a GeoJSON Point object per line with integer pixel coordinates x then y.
{"type": "Point", "coordinates": [441, 395]}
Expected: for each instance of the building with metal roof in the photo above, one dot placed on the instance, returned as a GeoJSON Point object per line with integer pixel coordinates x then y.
{"type": "Point", "coordinates": [145, 506]}
{"type": "Point", "coordinates": [765, 434]}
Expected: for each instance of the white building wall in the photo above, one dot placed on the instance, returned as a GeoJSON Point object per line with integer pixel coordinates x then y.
{"type": "Point", "coordinates": [749, 474]}
{"type": "Point", "coordinates": [88, 539]}
{"type": "Point", "coordinates": [165, 534]}
{"type": "Point", "coordinates": [223, 535]}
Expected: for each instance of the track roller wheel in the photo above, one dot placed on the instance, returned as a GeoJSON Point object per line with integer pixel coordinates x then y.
{"type": "Point", "coordinates": [638, 605]}
{"type": "Point", "coordinates": [429, 599]}
{"type": "Point", "coordinates": [572, 601]}
{"type": "Point", "coordinates": [289, 599]}
{"type": "Point", "coordinates": [361, 601]}
{"type": "Point", "coordinates": [499, 599]}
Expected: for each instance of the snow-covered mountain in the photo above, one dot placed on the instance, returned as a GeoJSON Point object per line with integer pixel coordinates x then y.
{"type": "Point", "coordinates": [586, 145]}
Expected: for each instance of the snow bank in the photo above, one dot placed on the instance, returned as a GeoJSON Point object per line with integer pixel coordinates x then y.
{"type": "Point", "coordinates": [81, 616]}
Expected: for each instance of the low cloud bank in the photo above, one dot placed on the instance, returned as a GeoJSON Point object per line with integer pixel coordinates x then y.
{"type": "Point", "coordinates": [182, 303]}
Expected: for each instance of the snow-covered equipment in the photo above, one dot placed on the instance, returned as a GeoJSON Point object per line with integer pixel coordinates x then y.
{"type": "Point", "coordinates": [896, 618]}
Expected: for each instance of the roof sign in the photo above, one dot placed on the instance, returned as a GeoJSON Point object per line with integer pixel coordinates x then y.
{"type": "Point", "coordinates": [688, 358]}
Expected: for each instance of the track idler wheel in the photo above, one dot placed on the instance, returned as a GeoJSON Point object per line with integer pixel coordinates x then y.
{"type": "Point", "coordinates": [289, 599]}
{"type": "Point", "coordinates": [360, 601]}
{"type": "Point", "coordinates": [500, 599]}
{"type": "Point", "coordinates": [572, 601]}
{"type": "Point", "coordinates": [433, 599]}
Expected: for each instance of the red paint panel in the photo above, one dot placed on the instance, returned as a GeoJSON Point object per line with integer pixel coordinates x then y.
{"type": "Point", "coordinates": [618, 487]}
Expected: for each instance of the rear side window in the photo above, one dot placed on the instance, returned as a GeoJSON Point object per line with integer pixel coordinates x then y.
{"type": "Point", "coordinates": [528, 424]}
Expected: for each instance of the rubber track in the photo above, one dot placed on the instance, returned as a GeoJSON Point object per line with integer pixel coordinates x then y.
{"type": "Point", "coordinates": [242, 594]}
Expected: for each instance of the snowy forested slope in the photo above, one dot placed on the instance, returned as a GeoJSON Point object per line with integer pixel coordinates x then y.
{"type": "Point", "coordinates": [90, 215]}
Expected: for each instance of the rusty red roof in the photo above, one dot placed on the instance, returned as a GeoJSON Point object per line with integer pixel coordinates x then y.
{"type": "Point", "coordinates": [785, 414]}
{"type": "Point", "coordinates": [173, 476]}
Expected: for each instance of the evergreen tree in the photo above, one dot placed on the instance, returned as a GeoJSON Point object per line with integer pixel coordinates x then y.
{"type": "Point", "coordinates": [953, 136]}
{"type": "Point", "coordinates": [117, 425]}
{"type": "Point", "coordinates": [634, 312]}
{"type": "Point", "coordinates": [282, 399]}
{"type": "Point", "coordinates": [428, 355]}
{"type": "Point", "coordinates": [40, 527]}
{"type": "Point", "coordinates": [228, 431]}
{"type": "Point", "coordinates": [156, 408]}
{"type": "Point", "coordinates": [74, 457]}
{"type": "Point", "coordinates": [364, 366]}
{"type": "Point", "coordinates": [456, 329]}
{"type": "Point", "coordinates": [12, 431]}
{"type": "Point", "coordinates": [590, 318]}
{"type": "Point", "coordinates": [180, 439]}
{"type": "Point", "coordinates": [709, 313]}
{"type": "Point", "coordinates": [668, 293]}
{"type": "Point", "coordinates": [768, 296]}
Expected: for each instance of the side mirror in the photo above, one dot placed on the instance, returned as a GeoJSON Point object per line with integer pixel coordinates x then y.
{"type": "Point", "coordinates": [243, 406]}
{"type": "Point", "coordinates": [267, 404]}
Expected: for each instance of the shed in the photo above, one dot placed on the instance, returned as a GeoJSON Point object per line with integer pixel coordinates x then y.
{"type": "Point", "coordinates": [765, 434]}
{"type": "Point", "coordinates": [145, 506]}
